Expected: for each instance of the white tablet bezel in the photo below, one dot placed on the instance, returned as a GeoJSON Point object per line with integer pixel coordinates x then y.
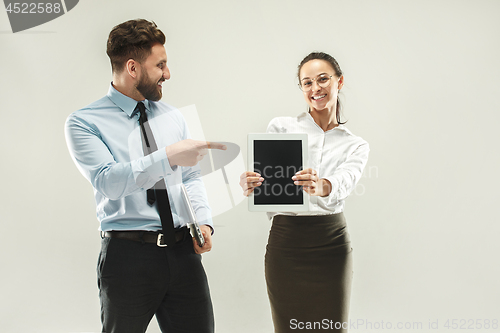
{"type": "Point", "coordinates": [305, 154]}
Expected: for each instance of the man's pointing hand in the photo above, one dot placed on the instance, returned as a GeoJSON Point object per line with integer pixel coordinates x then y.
{"type": "Point", "coordinates": [189, 152]}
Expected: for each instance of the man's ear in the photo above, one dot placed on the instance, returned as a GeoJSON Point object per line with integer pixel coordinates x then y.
{"type": "Point", "coordinates": [133, 68]}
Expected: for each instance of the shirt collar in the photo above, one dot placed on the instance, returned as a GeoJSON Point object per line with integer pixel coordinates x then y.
{"type": "Point", "coordinates": [124, 102]}
{"type": "Point", "coordinates": [307, 115]}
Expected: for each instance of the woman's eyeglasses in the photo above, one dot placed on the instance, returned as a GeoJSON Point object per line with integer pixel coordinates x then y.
{"type": "Point", "coordinates": [322, 80]}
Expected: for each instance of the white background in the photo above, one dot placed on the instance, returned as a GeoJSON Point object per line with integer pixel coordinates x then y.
{"type": "Point", "coordinates": [421, 86]}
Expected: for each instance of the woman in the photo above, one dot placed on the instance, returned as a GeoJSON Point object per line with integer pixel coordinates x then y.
{"type": "Point", "coordinates": [308, 262]}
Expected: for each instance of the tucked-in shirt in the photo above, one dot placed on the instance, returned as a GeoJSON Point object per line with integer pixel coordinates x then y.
{"type": "Point", "coordinates": [104, 140]}
{"type": "Point", "coordinates": [337, 155]}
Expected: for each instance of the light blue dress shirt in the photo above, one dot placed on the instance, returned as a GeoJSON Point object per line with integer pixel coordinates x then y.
{"type": "Point", "coordinates": [105, 143]}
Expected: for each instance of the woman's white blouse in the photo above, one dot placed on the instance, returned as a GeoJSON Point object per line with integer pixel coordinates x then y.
{"type": "Point", "coordinates": [337, 155]}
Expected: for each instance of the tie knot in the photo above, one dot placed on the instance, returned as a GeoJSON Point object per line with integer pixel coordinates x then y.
{"type": "Point", "coordinates": [141, 107]}
{"type": "Point", "coordinates": [142, 110]}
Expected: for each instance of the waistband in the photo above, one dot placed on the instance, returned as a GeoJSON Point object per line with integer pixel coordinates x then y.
{"type": "Point", "coordinates": [153, 237]}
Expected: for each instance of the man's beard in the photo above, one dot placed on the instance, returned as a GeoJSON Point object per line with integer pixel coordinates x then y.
{"type": "Point", "coordinates": [148, 89]}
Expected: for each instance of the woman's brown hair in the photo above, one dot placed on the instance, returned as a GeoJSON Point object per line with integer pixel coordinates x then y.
{"type": "Point", "coordinates": [338, 72]}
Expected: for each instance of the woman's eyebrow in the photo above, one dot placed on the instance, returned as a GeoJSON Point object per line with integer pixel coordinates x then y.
{"type": "Point", "coordinates": [307, 77]}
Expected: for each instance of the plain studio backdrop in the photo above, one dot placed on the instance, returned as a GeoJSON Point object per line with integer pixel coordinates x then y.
{"type": "Point", "coordinates": [421, 86]}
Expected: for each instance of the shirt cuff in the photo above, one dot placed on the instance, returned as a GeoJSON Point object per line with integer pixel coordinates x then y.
{"type": "Point", "coordinates": [211, 228]}
{"type": "Point", "coordinates": [158, 165]}
{"type": "Point", "coordinates": [335, 188]}
{"type": "Point", "coordinates": [203, 216]}
{"type": "Point", "coordinates": [151, 168]}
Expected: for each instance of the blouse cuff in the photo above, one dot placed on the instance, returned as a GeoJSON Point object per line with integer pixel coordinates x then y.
{"type": "Point", "coordinates": [335, 187]}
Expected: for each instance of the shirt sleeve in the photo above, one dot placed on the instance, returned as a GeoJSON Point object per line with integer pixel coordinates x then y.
{"type": "Point", "coordinates": [275, 127]}
{"type": "Point", "coordinates": [197, 194]}
{"type": "Point", "coordinates": [191, 178]}
{"type": "Point", "coordinates": [112, 179]}
{"type": "Point", "coordinates": [347, 175]}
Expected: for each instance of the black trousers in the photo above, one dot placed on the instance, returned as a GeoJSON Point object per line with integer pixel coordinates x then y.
{"type": "Point", "coordinates": [138, 280]}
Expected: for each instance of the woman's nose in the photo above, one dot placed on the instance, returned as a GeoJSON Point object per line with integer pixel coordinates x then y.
{"type": "Point", "coordinates": [315, 86]}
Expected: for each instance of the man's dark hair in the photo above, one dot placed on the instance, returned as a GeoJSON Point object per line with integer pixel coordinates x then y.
{"type": "Point", "coordinates": [132, 40]}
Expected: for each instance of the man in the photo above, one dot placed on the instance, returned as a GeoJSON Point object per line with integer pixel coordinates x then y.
{"type": "Point", "coordinates": [136, 152]}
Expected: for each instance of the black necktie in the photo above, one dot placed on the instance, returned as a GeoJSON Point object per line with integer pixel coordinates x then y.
{"type": "Point", "coordinates": [158, 192]}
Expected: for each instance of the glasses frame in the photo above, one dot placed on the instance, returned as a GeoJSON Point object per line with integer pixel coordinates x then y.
{"type": "Point", "coordinates": [315, 79]}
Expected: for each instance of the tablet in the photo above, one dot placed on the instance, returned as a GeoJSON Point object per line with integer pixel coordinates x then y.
{"type": "Point", "coordinates": [277, 157]}
{"type": "Point", "coordinates": [193, 226]}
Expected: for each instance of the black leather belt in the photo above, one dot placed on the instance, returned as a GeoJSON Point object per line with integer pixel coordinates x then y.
{"type": "Point", "coordinates": [146, 236]}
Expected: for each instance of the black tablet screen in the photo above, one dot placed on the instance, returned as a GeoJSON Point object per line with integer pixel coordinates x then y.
{"type": "Point", "coordinates": [277, 161]}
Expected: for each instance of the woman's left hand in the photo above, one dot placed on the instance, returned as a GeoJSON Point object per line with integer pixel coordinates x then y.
{"type": "Point", "coordinates": [308, 179]}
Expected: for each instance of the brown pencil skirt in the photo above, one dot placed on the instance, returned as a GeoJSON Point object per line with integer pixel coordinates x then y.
{"type": "Point", "coordinates": [308, 266]}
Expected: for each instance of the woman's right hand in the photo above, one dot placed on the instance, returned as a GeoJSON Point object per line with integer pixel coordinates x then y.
{"type": "Point", "coordinates": [249, 181]}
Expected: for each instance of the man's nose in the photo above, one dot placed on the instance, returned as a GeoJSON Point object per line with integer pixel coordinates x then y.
{"type": "Point", "coordinates": [166, 73]}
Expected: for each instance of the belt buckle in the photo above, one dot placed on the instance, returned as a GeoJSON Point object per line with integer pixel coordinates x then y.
{"type": "Point", "coordinates": [160, 242]}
